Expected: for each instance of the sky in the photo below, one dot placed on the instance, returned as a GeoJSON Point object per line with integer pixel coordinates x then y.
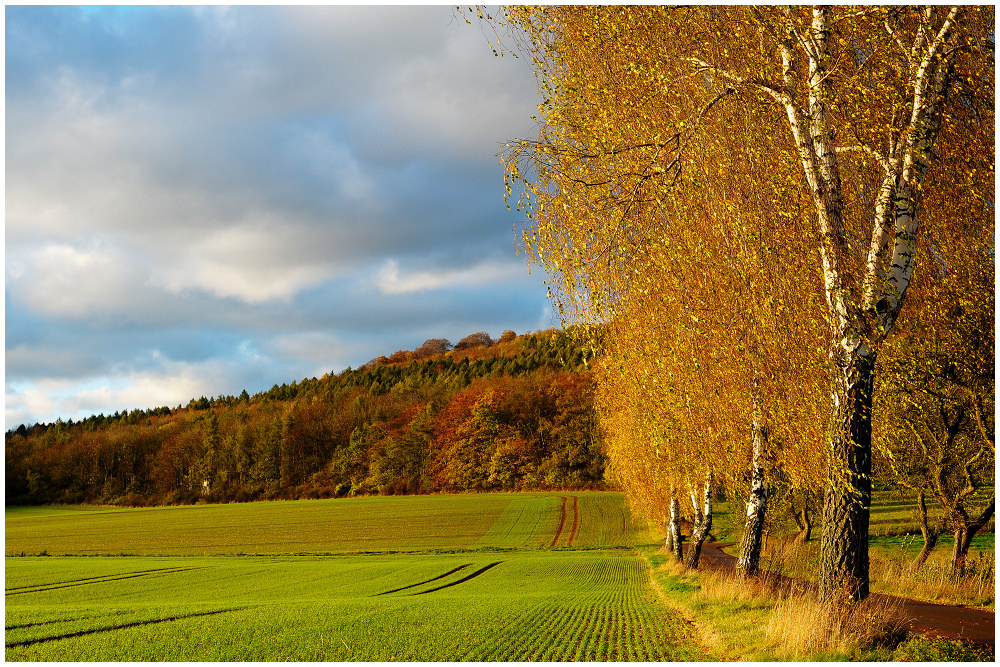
{"type": "Point", "coordinates": [204, 200]}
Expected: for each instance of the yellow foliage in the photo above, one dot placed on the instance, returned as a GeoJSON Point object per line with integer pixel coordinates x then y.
{"type": "Point", "coordinates": [713, 190]}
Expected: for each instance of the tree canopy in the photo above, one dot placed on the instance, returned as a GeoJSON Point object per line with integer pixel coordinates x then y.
{"type": "Point", "coordinates": [742, 195]}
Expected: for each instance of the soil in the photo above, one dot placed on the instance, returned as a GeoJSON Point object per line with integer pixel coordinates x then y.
{"type": "Point", "coordinates": [976, 626]}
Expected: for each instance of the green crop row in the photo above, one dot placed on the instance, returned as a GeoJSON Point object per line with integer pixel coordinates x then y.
{"type": "Point", "coordinates": [378, 524]}
{"type": "Point", "coordinates": [373, 579]}
{"type": "Point", "coordinates": [560, 605]}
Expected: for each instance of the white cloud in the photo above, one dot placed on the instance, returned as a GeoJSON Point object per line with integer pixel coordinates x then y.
{"type": "Point", "coordinates": [390, 280]}
{"type": "Point", "coordinates": [254, 263]}
{"type": "Point", "coordinates": [62, 280]}
{"type": "Point", "coordinates": [324, 351]}
{"type": "Point", "coordinates": [455, 101]}
{"type": "Point", "coordinates": [172, 384]}
{"type": "Point", "coordinates": [461, 100]}
{"type": "Point", "coordinates": [186, 179]}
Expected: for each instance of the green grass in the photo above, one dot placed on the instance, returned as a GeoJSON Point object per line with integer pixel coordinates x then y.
{"type": "Point", "coordinates": [354, 525]}
{"type": "Point", "coordinates": [470, 578]}
{"type": "Point", "coordinates": [494, 577]}
{"type": "Point", "coordinates": [894, 512]}
{"type": "Point", "coordinates": [910, 545]}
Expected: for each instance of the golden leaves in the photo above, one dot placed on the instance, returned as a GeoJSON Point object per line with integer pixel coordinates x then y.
{"type": "Point", "coordinates": [666, 198]}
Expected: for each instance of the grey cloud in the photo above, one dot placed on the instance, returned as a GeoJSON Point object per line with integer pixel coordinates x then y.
{"type": "Point", "coordinates": [215, 190]}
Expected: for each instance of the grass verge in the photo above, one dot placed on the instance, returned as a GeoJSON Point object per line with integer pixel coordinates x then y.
{"type": "Point", "coordinates": [762, 620]}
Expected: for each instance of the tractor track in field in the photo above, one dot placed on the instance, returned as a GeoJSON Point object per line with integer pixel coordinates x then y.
{"type": "Point", "coordinates": [977, 626]}
{"type": "Point", "coordinates": [88, 579]}
{"type": "Point", "coordinates": [22, 590]}
{"type": "Point", "coordinates": [111, 628]}
{"type": "Point", "coordinates": [37, 623]}
{"type": "Point", "coordinates": [475, 574]}
{"type": "Point", "coordinates": [576, 521]}
{"type": "Point", "coordinates": [562, 521]}
{"type": "Point", "coordinates": [421, 583]}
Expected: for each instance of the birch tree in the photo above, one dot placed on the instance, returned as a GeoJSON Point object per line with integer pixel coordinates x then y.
{"type": "Point", "coordinates": [835, 107]}
{"type": "Point", "coordinates": [856, 98]}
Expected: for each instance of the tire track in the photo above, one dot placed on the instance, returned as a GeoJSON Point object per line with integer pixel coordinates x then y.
{"type": "Point", "coordinates": [37, 623]}
{"type": "Point", "coordinates": [462, 580]}
{"type": "Point", "coordinates": [421, 583]}
{"type": "Point", "coordinates": [562, 522]}
{"type": "Point", "coordinates": [576, 520]}
{"type": "Point", "coordinates": [88, 579]}
{"type": "Point", "coordinates": [99, 580]}
{"type": "Point", "coordinates": [111, 628]}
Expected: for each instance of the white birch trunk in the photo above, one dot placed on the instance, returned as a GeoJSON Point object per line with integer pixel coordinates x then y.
{"type": "Point", "coordinates": [859, 321]}
{"type": "Point", "coordinates": [676, 538]}
{"type": "Point", "coordinates": [753, 529]}
{"type": "Point", "coordinates": [703, 521]}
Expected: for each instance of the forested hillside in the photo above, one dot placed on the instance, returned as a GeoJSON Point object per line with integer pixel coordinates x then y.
{"type": "Point", "coordinates": [512, 414]}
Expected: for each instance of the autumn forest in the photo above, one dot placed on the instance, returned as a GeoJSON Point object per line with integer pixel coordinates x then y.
{"type": "Point", "coordinates": [511, 414]}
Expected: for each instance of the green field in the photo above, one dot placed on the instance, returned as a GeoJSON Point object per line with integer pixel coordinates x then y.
{"type": "Point", "coordinates": [541, 576]}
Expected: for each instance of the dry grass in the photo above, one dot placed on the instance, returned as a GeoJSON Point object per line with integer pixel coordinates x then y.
{"type": "Point", "coordinates": [804, 626]}
{"type": "Point", "coordinates": [893, 572]}
{"type": "Point", "coordinates": [769, 617]}
{"type": "Point", "coordinates": [790, 558]}
{"type": "Point", "coordinates": [799, 625]}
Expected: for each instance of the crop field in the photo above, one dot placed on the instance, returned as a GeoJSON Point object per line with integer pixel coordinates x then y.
{"type": "Point", "coordinates": [543, 576]}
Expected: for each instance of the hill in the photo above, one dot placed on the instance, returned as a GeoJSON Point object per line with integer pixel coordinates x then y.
{"type": "Point", "coordinates": [484, 415]}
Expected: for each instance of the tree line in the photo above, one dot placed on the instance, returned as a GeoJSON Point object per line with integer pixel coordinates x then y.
{"type": "Point", "coordinates": [484, 415]}
{"type": "Point", "coordinates": [777, 224]}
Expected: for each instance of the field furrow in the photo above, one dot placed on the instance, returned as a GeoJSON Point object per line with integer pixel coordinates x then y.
{"type": "Point", "coordinates": [434, 598]}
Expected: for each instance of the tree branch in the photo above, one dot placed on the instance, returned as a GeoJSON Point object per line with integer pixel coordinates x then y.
{"type": "Point", "coordinates": [890, 170]}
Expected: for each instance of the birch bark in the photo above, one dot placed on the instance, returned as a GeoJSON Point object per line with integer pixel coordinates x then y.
{"type": "Point", "coordinates": [703, 522]}
{"type": "Point", "coordinates": [676, 539]}
{"type": "Point", "coordinates": [753, 529]}
{"type": "Point", "coordinates": [859, 325]}
{"type": "Point", "coordinates": [858, 321]}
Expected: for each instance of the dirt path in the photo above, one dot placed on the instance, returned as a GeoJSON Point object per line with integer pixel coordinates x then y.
{"type": "Point", "coordinates": [925, 618]}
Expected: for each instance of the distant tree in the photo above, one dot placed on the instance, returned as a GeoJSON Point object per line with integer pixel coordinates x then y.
{"type": "Point", "coordinates": [397, 357]}
{"type": "Point", "coordinates": [432, 347]}
{"type": "Point", "coordinates": [384, 429]}
{"type": "Point", "coordinates": [480, 339]}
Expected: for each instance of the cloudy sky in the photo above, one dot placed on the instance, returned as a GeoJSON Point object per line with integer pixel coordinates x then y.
{"type": "Point", "coordinates": [202, 200]}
